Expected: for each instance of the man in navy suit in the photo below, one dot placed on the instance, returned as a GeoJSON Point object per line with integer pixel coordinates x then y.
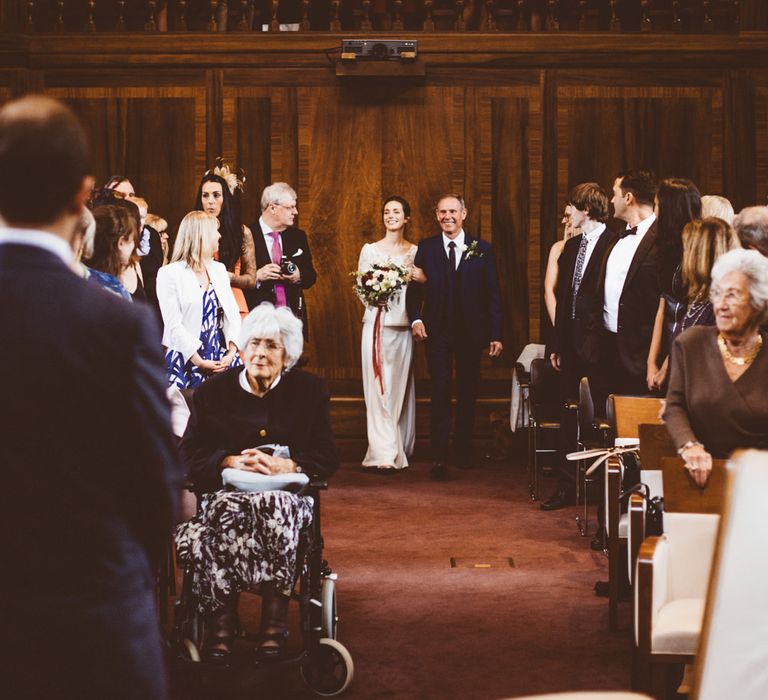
{"type": "Point", "coordinates": [573, 352]}
{"type": "Point", "coordinates": [275, 238]}
{"type": "Point", "coordinates": [458, 314]}
{"type": "Point", "coordinates": [90, 479]}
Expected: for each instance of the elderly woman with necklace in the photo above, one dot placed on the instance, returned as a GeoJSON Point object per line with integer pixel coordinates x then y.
{"type": "Point", "coordinates": [240, 539]}
{"type": "Point", "coordinates": [716, 402]}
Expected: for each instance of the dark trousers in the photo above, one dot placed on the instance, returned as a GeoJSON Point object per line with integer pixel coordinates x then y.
{"type": "Point", "coordinates": [443, 353]}
{"type": "Point", "coordinates": [571, 372]}
{"type": "Point", "coordinates": [84, 646]}
{"type": "Point", "coordinates": [610, 376]}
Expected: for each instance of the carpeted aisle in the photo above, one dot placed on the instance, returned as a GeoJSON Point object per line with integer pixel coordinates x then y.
{"type": "Point", "coordinates": [419, 629]}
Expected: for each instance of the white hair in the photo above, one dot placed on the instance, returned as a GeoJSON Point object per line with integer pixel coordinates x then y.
{"type": "Point", "coordinates": [715, 205]}
{"type": "Point", "coordinates": [265, 321]}
{"type": "Point", "coordinates": [751, 225]}
{"type": "Point", "coordinates": [275, 193]}
{"type": "Point", "coordinates": [755, 268]}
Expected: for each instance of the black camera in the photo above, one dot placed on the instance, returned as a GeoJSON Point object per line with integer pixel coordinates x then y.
{"type": "Point", "coordinates": [287, 267]}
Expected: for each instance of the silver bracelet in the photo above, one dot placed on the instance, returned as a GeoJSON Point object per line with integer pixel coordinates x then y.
{"type": "Point", "coordinates": [690, 443]}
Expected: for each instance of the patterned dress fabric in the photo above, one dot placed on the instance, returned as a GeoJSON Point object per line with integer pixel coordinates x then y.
{"type": "Point", "coordinates": [239, 539]}
{"type": "Point", "coordinates": [187, 375]}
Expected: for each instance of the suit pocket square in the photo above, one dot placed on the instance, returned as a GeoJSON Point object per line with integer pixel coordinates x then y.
{"type": "Point", "coordinates": [297, 253]}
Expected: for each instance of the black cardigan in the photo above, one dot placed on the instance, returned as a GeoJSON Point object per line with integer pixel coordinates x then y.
{"type": "Point", "coordinates": [225, 419]}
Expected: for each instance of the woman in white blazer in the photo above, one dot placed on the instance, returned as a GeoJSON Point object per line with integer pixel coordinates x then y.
{"type": "Point", "coordinates": [201, 320]}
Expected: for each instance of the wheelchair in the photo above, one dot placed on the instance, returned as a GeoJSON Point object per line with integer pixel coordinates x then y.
{"type": "Point", "coordinates": [324, 663]}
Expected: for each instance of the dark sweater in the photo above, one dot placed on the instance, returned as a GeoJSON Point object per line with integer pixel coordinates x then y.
{"type": "Point", "coordinates": [704, 404]}
{"type": "Point", "coordinates": [225, 419]}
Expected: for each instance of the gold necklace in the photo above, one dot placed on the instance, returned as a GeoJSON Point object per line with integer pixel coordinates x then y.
{"type": "Point", "coordinates": [741, 361]}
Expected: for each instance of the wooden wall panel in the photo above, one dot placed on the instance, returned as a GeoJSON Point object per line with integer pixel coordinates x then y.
{"type": "Point", "coordinates": [761, 139]}
{"type": "Point", "coordinates": [155, 137]}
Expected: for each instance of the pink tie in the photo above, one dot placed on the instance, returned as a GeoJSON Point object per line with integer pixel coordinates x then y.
{"type": "Point", "coordinates": [277, 256]}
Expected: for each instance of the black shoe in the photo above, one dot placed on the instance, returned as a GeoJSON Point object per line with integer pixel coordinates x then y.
{"type": "Point", "coordinates": [562, 498]}
{"type": "Point", "coordinates": [601, 589]}
{"type": "Point", "coordinates": [439, 472]}
{"type": "Point", "coordinates": [598, 541]}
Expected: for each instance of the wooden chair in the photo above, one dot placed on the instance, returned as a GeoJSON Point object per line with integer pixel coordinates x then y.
{"type": "Point", "coordinates": [673, 570]}
{"type": "Point", "coordinates": [545, 410]}
{"type": "Point", "coordinates": [625, 414]}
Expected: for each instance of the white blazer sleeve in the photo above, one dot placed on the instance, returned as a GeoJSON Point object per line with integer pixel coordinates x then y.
{"type": "Point", "coordinates": [172, 307]}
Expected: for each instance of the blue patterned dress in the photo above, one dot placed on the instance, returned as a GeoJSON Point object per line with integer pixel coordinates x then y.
{"type": "Point", "coordinates": [188, 375]}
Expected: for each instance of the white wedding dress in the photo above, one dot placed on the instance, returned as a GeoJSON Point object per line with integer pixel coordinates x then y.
{"type": "Point", "coordinates": [391, 415]}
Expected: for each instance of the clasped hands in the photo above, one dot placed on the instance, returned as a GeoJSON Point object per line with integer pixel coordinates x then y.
{"type": "Point", "coordinates": [215, 366]}
{"type": "Point", "coordinates": [271, 273]}
{"type": "Point", "coordinates": [253, 459]}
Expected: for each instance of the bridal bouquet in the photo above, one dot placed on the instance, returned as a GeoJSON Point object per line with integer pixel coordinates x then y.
{"type": "Point", "coordinates": [380, 284]}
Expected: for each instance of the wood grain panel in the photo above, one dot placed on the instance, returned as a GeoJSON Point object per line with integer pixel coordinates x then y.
{"type": "Point", "coordinates": [673, 131]}
{"type": "Point", "coordinates": [761, 141]}
{"type": "Point", "coordinates": [156, 137]}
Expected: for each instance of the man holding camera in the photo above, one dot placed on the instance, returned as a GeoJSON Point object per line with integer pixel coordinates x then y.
{"type": "Point", "coordinates": [283, 259]}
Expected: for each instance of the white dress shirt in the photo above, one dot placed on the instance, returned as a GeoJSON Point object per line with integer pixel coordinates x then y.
{"type": "Point", "coordinates": [617, 267]}
{"type": "Point", "coordinates": [459, 241]}
{"type": "Point", "coordinates": [592, 238]}
{"type": "Point", "coordinates": [38, 239]}
{"type": "Point", "coordinates": [245, 385]}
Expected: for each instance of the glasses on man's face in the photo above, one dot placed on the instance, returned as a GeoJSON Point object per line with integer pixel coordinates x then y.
{"type": "Point", "coordinates": [729, 296]}
{"type": "Point", "coordinates": [267, 344]}
{"type": "Point", "coordinates": [289, 207]}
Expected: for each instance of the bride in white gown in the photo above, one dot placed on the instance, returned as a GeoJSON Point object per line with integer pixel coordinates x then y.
{"type": "Point", "coordinates": [391, 403]}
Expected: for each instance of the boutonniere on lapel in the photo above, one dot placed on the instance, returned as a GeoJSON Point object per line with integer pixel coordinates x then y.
{"type": "Point", "coordinates": [471, 251]}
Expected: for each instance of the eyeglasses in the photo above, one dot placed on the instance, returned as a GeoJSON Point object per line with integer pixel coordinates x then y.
{"type": "Point", "coordinates": [285, 206]}
{"type": "Point", "coordinates": [729, 296]}
{"type": "Point", "coordinates": [266, 343]}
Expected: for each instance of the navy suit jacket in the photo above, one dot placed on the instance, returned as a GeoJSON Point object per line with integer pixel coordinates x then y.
{"type": "Point", "coordinates": [293, 240]}
{"type": "Point", "coordinates": [90, 475]}
{"type": "Point", "coordinates": [479, 294]}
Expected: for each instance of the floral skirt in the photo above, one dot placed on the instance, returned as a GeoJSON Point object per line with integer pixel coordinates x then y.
{"type": "Point", "coordinates": [239, 539]}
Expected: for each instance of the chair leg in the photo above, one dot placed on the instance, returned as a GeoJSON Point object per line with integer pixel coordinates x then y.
{"type": "Point", "coordinates": [531, 457]}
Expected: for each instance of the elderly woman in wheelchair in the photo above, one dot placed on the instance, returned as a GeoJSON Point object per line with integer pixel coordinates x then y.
{"type": "Point", "coordinates": [261, 426]}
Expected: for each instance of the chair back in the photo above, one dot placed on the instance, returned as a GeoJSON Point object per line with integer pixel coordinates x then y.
{"type": "Point", "coordinates": [626, 413]}
{"type": "Point", "coordinates": [682, 495]}
{"type": "Point", "coordinates": [544, 391]}
{"type": "Point", "coordinates": [733, 656]}
{"type": "Point", "coordinates": [655, 443]}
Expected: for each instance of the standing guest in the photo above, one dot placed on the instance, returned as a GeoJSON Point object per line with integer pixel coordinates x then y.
{"type": "Point", "coordinates": [627, 293]}
{"type": "Point", "coordinates": [716, 398]}
{"type": "Point", "coordinates": [82, 245]}
{"type": "Point", "coordinates": [219, 194]}
{"type": "Point", "coordinates": [90, 478]}
{"type": "Point", "coordinates": [572, 352]}
{"type": "Point", "coordinates": [551, 273]}
{"type": "Point", "coordinates": [704, 241]}
{"type": "Point", "coordinates": [200, 315]}
{"type": "Point", "coordinates": [114, 244]}
{"type": "Point", "coordinates": [678, 202]}
{"type": "Point", "coordinates": [751, 226]}
{"type": "Point", "coordinates": [161, 226]}
{"type": "Point", "coordinates": [120, 183]}
{"type": "Point", "coordinates": [713, 205]}
{"type": "Point", "coordinates": [390, 403]}
{"type": "Point", "coordinates": [458, 312]}
{"type": "Point", "coordinates": [280, 241]}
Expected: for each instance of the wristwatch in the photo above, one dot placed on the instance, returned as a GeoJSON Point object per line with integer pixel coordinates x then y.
{"type": "Point", "coordinates": [690, 443]}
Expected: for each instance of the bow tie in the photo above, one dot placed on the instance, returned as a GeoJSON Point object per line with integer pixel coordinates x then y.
{"type": "Point", "coordinates": [628, 232]}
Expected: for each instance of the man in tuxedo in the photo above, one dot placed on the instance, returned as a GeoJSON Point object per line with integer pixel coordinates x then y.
{"type": "Point", "coordinates": [572, 353]}
{"type": "Point", "coordinates": [457, 313]}
{"type": "Point", "coordinates": [90, 475]}
{"type": "Point", "coordinates": [279, 245]}
{"type": "Point", "coordinates": [628, 293]}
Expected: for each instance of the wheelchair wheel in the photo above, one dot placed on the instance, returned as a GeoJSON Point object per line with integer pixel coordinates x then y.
{"type": "Point", "coordinates": [330, 614]}
{"type": "Point", "coordinates": [190, 651]}
{"type": "Point", "coordinates": [328, 670]}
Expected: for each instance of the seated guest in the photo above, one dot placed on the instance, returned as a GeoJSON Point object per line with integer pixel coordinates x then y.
{"type": "Point", "coordinates": [113, 245]}
{"type": "Point", "coordinates": [751, 226]}
{"type": "Point", "coordinates": [715, 205]}
{"type": "Point", "coordinates": [716, 398]}
{"type": "Point", "coordinates": [200, 315]}
{"type": "Point", "coordinates": [240, 539]}
{"type": "Point", "coordinates": [704, 241]}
